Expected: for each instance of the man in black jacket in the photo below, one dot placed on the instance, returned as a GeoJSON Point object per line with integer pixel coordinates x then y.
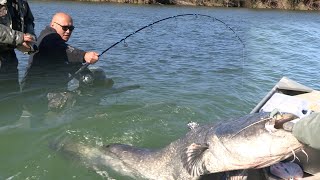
{"type": "Point", "coordinates": [56, 60]}
{"type": "Point", "coordinates": [49, 69]}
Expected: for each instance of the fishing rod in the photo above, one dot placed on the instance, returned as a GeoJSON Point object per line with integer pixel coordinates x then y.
{"type": "Point", "coordinates": [83, 67]}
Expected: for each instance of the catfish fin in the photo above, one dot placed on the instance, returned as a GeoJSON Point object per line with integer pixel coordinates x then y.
{"type": "Point", "coordinates": [192, 159]}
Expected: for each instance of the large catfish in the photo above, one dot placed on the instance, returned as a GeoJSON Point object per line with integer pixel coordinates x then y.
{"type": "Point", "coordinates": [242, 143]}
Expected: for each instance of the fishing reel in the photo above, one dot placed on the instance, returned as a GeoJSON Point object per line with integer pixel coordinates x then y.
{"type": "Point", "coordinates": [94, 78]}
{"type": "Point", "coordinates": [86, 79]}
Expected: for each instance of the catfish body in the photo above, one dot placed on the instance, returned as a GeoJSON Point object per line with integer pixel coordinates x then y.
{"type": "Point", "coordinates": [241, 143]}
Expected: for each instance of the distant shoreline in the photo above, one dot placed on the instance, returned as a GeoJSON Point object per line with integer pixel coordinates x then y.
{"type": "Point", "coordinates": [254, 4]}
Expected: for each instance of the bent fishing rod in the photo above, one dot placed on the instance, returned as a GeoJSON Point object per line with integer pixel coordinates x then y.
{"type": "Point", "coordinates": [83, 67]}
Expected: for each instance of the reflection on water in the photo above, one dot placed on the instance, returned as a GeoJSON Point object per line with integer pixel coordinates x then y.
{"type": "Point", "coordinates": [181, 70]}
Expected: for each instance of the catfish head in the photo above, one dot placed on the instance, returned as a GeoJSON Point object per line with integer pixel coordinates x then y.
{"type": "Point", "coordinates": [243, 143]}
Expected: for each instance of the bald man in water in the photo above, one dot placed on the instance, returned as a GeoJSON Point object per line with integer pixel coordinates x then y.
{"type": "Point", "coordinates": [51, 67]}
{"type": "Point", "coordinates": [48, 73]}
{"type": "Point", "coordinates": [63, 24]}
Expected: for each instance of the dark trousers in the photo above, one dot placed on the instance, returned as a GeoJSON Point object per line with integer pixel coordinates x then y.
{"type": "Point", "coordinates": [9, 76]}
{"type": "Point", "coordinates": [10, 101]}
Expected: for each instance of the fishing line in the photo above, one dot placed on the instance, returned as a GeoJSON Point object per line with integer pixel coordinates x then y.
{"type": "Point", "coordinates": [83, 67]}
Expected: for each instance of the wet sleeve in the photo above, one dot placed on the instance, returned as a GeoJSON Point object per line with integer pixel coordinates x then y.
{"type": "Point", "coordinates": [10, 36]}
{"type": "Point", "coordinates": [307, 130]}
{"type": "Point", "coordinates": [75, 55]}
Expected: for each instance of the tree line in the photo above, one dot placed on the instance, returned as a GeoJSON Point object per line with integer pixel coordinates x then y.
{"type": "Point", "coordinates": [271, 4]}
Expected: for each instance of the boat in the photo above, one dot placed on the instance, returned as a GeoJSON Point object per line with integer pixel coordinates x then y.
{"type": "Point", "coordinates": [301, 99]}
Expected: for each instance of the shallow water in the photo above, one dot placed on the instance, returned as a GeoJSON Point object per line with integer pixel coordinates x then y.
{"type": "Point", "coordinates": [188, 68]}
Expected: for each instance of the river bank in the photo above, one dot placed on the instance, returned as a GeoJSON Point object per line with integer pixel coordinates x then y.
{"type": "Point", "coordinates": [255, 4]}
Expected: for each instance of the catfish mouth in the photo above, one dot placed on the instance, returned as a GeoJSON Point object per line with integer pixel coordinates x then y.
{"type": "Point", "coordinates": [283, 118]}
{"type": "Point", "coordinates": [263, 162]}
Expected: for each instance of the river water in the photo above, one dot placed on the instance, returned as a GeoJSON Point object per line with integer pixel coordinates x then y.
{"type": "Point", "coordinates": [189, 68]}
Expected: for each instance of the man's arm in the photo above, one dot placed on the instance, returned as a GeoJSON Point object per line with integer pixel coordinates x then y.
{"type": "Point", "coordinates": [10, 36]}
{"type": "Point", "coordinates": [75, 55]}
{"type": "Point", "coordinates": [307, 130]}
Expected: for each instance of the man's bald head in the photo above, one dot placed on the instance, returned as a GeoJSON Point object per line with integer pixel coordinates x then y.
{"type": "Point", "coordinates": [63, 24]}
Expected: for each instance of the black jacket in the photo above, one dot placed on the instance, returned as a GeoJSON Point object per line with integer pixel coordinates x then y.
{"type": "Point", "coordinates": [52, 65]}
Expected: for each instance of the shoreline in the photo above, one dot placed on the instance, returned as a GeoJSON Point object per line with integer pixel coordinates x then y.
{"type": "Point", "coordinates": [302, 5]}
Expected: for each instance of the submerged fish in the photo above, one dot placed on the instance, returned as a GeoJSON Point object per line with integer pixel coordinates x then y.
{"type": "Point", "coordinates": [241, 143]}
